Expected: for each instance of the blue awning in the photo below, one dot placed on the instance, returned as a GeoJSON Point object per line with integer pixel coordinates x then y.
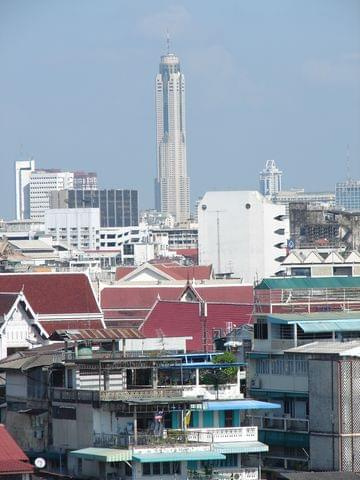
{"type": "Point", "coordinates": [177, 456]}
{"type": "Point", "coordinates": [240, 405]}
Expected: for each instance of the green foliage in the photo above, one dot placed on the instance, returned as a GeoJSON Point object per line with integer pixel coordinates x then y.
{"type": "Point", "coordinates": [220, 376]}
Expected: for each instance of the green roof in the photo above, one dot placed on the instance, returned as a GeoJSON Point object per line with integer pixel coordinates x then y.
{"type": "Point", "coordinates": [305, 283]}
{"type": "Point", "coordinates": [178, 456]}
{"type": "Point", "coordinates": [103, 454]}
{"type": "Point", "coordinates": [241, 447]}
{"type": "Point", "coordinates": [287, 318]}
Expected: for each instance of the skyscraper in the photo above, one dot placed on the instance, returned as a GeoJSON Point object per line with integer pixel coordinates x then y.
{"type": "Point", "coordinates": [172, 190]}
{"type": "Point", "coordinates": [23, 169]}
{"type": "Point", "coordinates": [270, 179]}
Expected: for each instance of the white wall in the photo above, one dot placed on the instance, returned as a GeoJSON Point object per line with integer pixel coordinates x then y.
{"type": "Point", "coordinates": [68, 225]}
{"type": "Point", "coordinates": [243, 225]}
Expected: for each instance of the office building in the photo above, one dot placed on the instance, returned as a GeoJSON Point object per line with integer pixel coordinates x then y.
{"type": "Point", "coordinates": [348, 195]}
{"type": "Point", "coordinates": [172, 185]}
{"type": "Point", "coordinates": [23, 170]}
{"type": "Point", "coordinates": [85, 180]}
{"type": "Point", "coordinates": [77, 228]}
{"type": "Point", "coordinates": [297, 195]}
{"type": "Point", "coordinates": [42, 182]}
{"type": "Point", "coordinates": [270, 179]}
{"type": "Point", "coordinates": [242, 234]}
{"type": "Point", "coordinates": [118, 208]}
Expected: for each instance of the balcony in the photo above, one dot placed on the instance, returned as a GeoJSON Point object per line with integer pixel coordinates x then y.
{"type": "Point", "coordinates": [281, 424]}
{"type": "Point", "coordinates": [229, 391]}
{"type": "Point", "coordinates": [90, 396]}
{"type": "Point", "coordinates": [213, 435]}
{"type": "Point", "coordinates": [167, 439]}
{"type": "Point", "coordinates": [241, 474]}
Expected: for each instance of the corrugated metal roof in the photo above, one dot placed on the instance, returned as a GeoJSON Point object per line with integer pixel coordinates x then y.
{"type": "Point", "coordinates": [100, 334]}
{"type": "Point", "coordinates": [241, 447]}
{"type": "Point", "coordinates": [318, 327]}
{"type": "Point", "coordinates": [103, 454]}
{"type": "Point", "coordinates": [308, 283]}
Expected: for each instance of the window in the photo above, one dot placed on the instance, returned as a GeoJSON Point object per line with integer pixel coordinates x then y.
{"type": "Point", "coordinates": [146, 469]}
{"type": "Point", "coordinates": [229, 418]}
{"type": "Point", "coordinates": [261, 329]}
{"type": "Point", "coordinates": [164, 468]}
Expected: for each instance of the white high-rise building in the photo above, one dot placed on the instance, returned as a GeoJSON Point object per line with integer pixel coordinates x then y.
{"type": "Point", "coordinates": [270, 179]}
{"type": "Point", "coordinates": [42, 182]}
{"type": "Point", "coordinates": [242, 233]}
{"type": "Point", "coordinates": [23, 171]}
{"type": "Point", "coordinates": [172, 185]}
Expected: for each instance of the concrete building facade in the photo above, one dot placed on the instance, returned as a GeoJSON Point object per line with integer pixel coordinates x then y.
{"type": "Point", "coordinates": [78, 228]}
{"type": "Point", "coordinates": [241, 233]}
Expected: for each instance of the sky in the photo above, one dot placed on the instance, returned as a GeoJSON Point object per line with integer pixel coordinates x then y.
{"type": "Point", "coordinates": [275, 79]}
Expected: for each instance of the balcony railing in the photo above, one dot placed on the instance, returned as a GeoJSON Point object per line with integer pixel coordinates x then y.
{"type": "Point", "coordinates": [283, 424]}
{"type": "Point", "coordinates": [167, 438]}
{"type": "Point", "coordinates": [234, 434]}
{"type": "Point", "coordinates": [242, 474]}
{"type": "Point", "coordinates": [90, 396]}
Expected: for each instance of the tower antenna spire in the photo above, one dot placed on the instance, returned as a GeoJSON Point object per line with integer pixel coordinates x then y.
{"type": "Point", "coordinates": [167, 41]}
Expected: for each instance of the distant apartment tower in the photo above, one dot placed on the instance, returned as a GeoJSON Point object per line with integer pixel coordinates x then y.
{"type": "Point", "coordinates": [118, 208]}
{"type": "Point", "coordinates": [172, 184]}
{"type": "Point", "coordinates": [42, 183]}
{"type": "Point", "coordinates": [348, 195]}
{"type": "Point", "coordinates": [242, 233]}
{"type": "Point", "coordinates": [23, 170]}
{"type": "Point", "coordinates": [270, 179]}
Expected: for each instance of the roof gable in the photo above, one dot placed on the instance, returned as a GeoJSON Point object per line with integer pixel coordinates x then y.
{"type": "Point", "coordinates": [313, 257]}
{"type": "Point", "coordinates": [353, 257]}
{"type": "Point", "coordinates": [292, 258]}
{"type": "Point", "coordinates": [334, 257]}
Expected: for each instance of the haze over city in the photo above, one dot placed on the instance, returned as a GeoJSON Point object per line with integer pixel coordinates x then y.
{"type": "Point", "coordinates": [277, 80]}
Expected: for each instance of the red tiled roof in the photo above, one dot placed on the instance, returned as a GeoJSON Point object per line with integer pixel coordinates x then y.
{"type": "Point", "coordinates": [53, 293]}
{"type": "Point", "coordinates": [121, 272]}
{"type": "Point", "coordinates": [51, 326]}
{"type": "Point", "coordinates": [7, 300]}
{"type": "Point", "coordinates": [137, 297]}
{"type": "Point", "coordinates": [197, 272]}
{"type": "Point", "coordinates": [12, 458]}
{"type": "Point", "coordinates": [126, 323]}
{"type": "Point", "coordinates": [183, 319]}
{"type": "Point", "coordinates": [128, 314]}
{"type": "Point", "coordinates": [227, 293]}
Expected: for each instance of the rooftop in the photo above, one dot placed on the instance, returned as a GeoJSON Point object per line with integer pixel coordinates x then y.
{"type": "Point", "coordinates": [305, 283]}
{"type": "Point", "coordinates": [340, 348]}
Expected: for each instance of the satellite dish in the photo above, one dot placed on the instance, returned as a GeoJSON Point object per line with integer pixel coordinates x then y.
{"type": "Point", "coordinates": [40, 462]}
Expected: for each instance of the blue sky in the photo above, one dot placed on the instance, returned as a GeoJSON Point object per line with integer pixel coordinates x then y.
{"type": "Point", "coordinates": [275, 79]}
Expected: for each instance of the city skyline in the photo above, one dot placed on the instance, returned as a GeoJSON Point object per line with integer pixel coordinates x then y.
{"type": "Point", "coordinates": [305, 110]}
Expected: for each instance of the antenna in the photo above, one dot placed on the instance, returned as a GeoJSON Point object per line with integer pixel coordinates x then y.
{"type": "Point", "coordinates": [167, 41]}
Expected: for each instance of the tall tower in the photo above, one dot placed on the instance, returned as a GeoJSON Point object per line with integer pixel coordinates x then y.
{"type": "Point", "coordinates": [172, 191]}
{"type": "Point", "coordinates": [270, 179]}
